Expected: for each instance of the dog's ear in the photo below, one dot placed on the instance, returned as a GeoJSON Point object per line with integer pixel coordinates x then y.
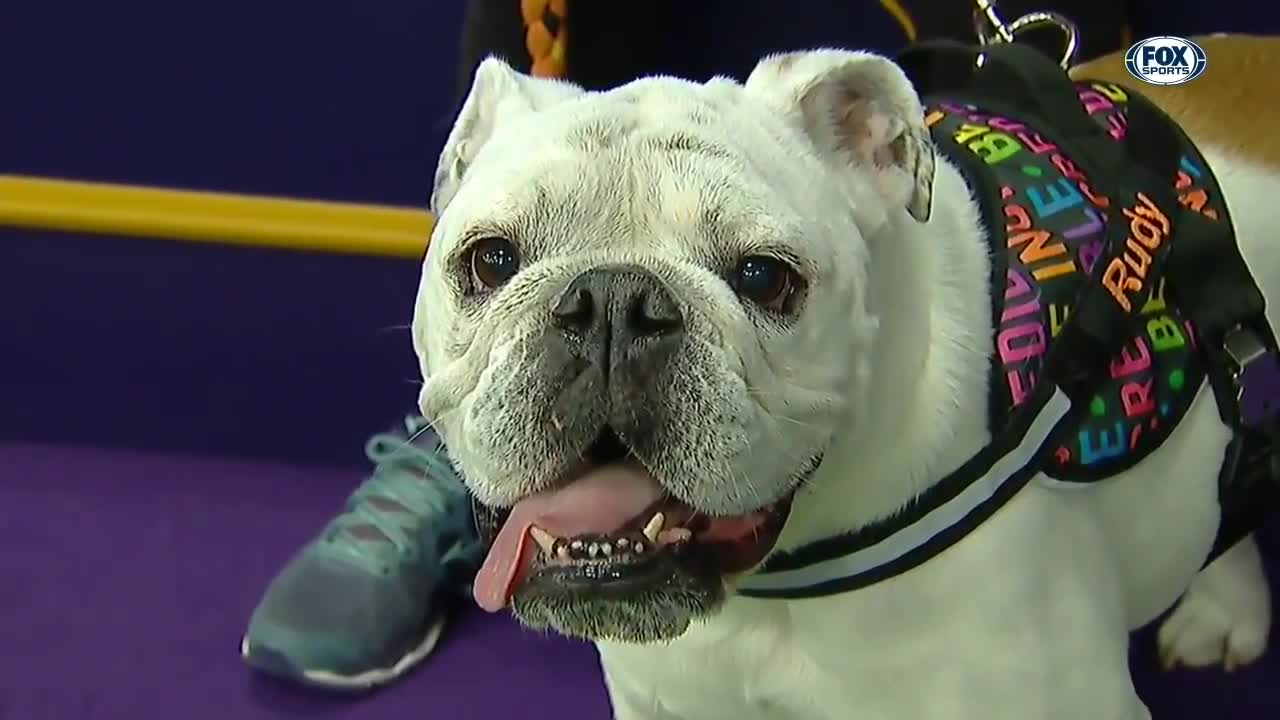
{"type": "Point", "coordinates": [498, 94]}
{"type": "Point", "coordinates": [856, 107]}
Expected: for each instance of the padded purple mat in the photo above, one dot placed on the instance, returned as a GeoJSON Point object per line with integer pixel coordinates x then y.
{"type": "Point", "coordinates": [126, 578]}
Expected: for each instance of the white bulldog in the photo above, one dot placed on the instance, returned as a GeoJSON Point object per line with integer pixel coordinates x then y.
{"type": "Point", "coordinates": [674, 329]}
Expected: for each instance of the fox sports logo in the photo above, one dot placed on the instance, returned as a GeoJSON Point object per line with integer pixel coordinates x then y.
{"type": "Point", "coordinates": [1165, 60]}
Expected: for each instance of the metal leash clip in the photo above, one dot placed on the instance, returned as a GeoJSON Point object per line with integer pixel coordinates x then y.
{"type": "Point", "coordinates": [992, 29]}
{"type": "Point", "coordinates": [1256, 376]}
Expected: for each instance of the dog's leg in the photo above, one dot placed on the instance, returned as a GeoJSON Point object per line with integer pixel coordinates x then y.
{"type": "Point", "coordinates": [1224, 617]}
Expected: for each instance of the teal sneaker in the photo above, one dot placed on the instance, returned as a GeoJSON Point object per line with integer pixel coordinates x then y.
{"type": "Point", "coordinates": [367, 600]}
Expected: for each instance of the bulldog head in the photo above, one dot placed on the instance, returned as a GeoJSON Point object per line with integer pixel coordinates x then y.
{"type": "Point", "coordinates": [641, 321]}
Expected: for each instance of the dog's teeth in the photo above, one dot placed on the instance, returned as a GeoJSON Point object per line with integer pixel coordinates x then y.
{"type": "Point", "coordinates": [674, 535]}
{"type": "Point", "coordinates": [576, 544]}
{"type": "Point", "coordinates": [622, 542]}
{"type": "Point", "coordinates": [638, 547]}
{"type": "Point", "coordinates": [654, 526]}
{"type": "Point", "coordinates": [562, 551]}
{"type": "Point", "coordinates": [593, 549]}
{"type": "Point", "coordinates": [545, 540]}
{"type": "Point", "coordinates": [606, 549]}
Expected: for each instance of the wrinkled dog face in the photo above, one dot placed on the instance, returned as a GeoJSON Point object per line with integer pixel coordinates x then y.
{"type": "Point", "coordinates": [640, 321]}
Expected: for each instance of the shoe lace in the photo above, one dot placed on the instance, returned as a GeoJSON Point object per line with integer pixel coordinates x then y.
{"type": "Point", "coordinates": [415, 505]}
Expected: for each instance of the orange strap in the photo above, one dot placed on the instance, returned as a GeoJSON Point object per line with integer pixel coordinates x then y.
{"type": "Point", "coordinates": [545, 36]}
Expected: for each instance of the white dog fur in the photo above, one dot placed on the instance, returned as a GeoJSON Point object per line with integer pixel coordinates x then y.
{"type": "Point", "coordinates": [1027, 617]}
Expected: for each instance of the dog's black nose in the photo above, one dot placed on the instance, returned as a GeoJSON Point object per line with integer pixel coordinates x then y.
{"type": "Point", "coordinates": [613, 314]}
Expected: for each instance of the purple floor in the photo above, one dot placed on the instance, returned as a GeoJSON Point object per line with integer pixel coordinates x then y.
{"type": "Point", "coordinates": [125, 580]}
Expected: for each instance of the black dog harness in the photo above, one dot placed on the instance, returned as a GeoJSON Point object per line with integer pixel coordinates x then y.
{"type": "Point", "coordinates": [1117, 288]}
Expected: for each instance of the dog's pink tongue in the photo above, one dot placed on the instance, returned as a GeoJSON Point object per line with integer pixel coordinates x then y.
{"type": "Point", "coordinates": [600, 502]}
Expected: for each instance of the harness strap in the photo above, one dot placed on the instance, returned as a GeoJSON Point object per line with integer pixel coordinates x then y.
{"type": "Point", "coordinates": [1212, 285]}
{"type": "Point", "coordinates": [1207, 275]}
{"type": "Point", "coordinates": [939, 518]}
{"type": "Point", "coordinates": [1133, 178]}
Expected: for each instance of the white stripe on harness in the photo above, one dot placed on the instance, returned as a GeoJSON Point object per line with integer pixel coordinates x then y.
{"type": "Point", "coordinates": [932, 524]}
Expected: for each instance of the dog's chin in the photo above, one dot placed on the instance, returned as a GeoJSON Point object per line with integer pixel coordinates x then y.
{"type": "Point", "coordinates": [648, 587]}
{"type": "Point", "coordinates": [648, 580]}
{"type": "Point", "coordinates": [647, 605]}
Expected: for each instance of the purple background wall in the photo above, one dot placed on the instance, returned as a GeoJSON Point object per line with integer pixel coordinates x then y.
{"type": "Point", "coordinates": [323, 98]}
{"type": "Point", "coordinates": [202, 349]}
{"type": "Point", "coordinates": [221, 350]}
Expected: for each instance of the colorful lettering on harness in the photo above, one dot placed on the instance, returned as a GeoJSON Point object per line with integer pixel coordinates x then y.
{"type": "Point", "coordinates": [1094, 101]}
{"type": "Point", "coordinates": [1035, 143]}
{"type": "Point", "coordinates": [1031, 141]}
{"type": "Point", "coordinates": [1127, 363]}
{"type": "Point", "coordinates": [1018, 218]}
{"type": "Point", "coordinates": [1089, 254]}
{"type": "Point", "coordinates": [1021, 341]}
{"type": "Point", "coordinates": [1062, 195]}
{"type": "Point", "coordinates": [1005, 125]}
{"type": "Point", "coordinates": [1189, 195]}
{"type": "Point", "coordinates": [1021, 335]}
{"type": "Point", "coordinates": [1137, 399]}
{"type": "Point", "coordinates": [1111, 91]}
{"type": "Point", "coordinates": [1155, 301]}
{"type": "Point", "coordinates": [1056, 229]}
{"type": "Point", "coordinates": [1118, 126]}
{"type": "Point", "coordinates": [1064, 165]}
{"type": "Point", "coordinates": [992, 147]}
{"type": "Point", "coordinates": [1093, 226]}
{"type": "Point", "coordinates": [1110, 444]}
{"type": "Point", "coordinates": [1148, 229]}
{"type": "Point", "coordinates": [1058, 315]}
{"type": "Point", "coordinates": [1103, 98]}
{"type": "Point", "coordinates": [1164, 333]}
{"type": "Point", "coordinates": [968, 132]}
{"type": "Point", "coordinates": [1041, 246]}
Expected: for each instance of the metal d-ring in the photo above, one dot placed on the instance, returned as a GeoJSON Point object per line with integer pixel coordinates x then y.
{"type": "Point", "coordinates": [992, 29]}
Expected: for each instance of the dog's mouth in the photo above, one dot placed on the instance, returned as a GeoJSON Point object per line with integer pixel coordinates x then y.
{"type": "Point", "coordinates": [613, 530]}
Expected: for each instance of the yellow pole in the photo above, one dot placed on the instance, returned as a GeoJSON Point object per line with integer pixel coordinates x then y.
{"type": "Point", "coordinates": [285, 223]}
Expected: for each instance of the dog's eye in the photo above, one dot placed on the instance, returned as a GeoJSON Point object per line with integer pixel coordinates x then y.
{"type": "Point", "coordinates": [765, 281]}
{"type": "Point", "coordinates": [494, 261]}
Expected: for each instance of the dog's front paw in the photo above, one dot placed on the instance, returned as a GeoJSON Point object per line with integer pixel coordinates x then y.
{"type": "Point", "coordinates": [1225, 616]}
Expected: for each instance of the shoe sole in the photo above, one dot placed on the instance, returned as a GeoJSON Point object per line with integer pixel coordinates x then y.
{"type": "Point", "coordinates": [276, 663]}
